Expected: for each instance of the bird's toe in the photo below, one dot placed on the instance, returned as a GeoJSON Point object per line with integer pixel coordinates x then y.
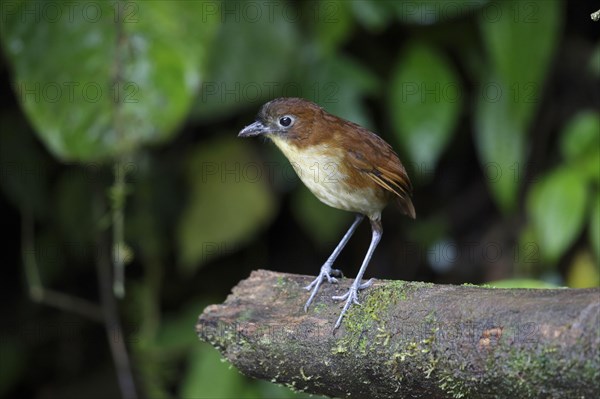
{"type": "Point", "coordinates": [367, 284]}
{"type": "Point", "coordinates": [332, 280]}
{"type": "Point", "coordinates": [341, 297]}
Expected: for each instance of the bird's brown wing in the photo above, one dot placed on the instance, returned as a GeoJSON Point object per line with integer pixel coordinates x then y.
{"type": "Point", "coordinates": [376, 160]}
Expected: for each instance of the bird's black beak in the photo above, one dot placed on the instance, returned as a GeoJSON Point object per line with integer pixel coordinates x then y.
{"type": "Point", "coordinates": [254, 129]}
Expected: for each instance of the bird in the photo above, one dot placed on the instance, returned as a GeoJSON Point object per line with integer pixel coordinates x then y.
{"type": "Point", "coordinates": [346, 166]}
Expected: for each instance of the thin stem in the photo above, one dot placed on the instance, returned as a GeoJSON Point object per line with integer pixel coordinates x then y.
{"type": "Point", "coordinates": [119, 249]}
{"type": "Point", "coordinates": [111, 319]}
{"type": "Point", "coordinates": [36, 289]}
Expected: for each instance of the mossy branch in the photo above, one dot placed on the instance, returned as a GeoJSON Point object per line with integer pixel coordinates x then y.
{"type": "Point", "coordinates": [411, 339]}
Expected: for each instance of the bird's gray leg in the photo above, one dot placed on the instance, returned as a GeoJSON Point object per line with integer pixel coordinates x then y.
{"type": "Point", "coordinates": [326, 270]}
{"type": "Point", "coordinates": [352, 295]}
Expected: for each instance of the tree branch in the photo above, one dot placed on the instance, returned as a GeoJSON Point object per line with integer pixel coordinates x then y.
{"type": "Point", "coordinates": [411, 339]}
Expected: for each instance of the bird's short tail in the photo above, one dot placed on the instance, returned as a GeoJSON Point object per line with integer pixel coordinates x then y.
{"type": "Point", "coordinates": [407, 207]}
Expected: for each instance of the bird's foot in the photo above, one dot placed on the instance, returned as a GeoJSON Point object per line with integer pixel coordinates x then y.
{"type": "Point", "coordinates": [326, 273]}
{"type": "Point", "coordinates": [351, 297]}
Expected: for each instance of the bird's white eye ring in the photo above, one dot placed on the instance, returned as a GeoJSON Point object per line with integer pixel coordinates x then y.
{"type": "Point", "coordinates": [286, 121]}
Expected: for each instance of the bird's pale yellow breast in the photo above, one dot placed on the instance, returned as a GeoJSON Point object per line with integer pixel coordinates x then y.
{"type": "Point", "coordinates": [321, 169]}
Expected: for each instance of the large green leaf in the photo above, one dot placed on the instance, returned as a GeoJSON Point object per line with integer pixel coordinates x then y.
{"type": "Point", "coordinates": [208, 377]}
{"type": "Point", "coordinates": [519, 38]}
{"type": "Point", "coordinates": [581, 136]}
{"type": "Point", "coordinates": [580, 145]}
{"type": "Point", "coordinates": [339, 84]}
{"type": "Point", "coordinates": [230, 200]}
{"type": "Point", "coordinates": [556, 205]}
{"type": "Point", "coordinates": [332, 21]}
{"type": "Point", "coordinates": [425, 103]}
{"type": "Point", "coordinates": [500, 142]}
{"type": "Point", "coordinates": [255, 50]}
{"type": "Point", "coordinates": [588, 165]}
{"type": "Point", "coordinates": [102, 78]}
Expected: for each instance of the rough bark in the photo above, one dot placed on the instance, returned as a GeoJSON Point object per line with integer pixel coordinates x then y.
{"type": "Point", "coordinates": [411, 339]}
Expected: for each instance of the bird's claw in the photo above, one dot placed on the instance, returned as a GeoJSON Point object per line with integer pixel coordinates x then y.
{"type": "Point", "coordinates": [328, 275]}
{"type": "Point", "coordinates": [326, 272]}
{"type": "Point", "coordinates": [351, 297]}
{"type": "Point", "coordinates": [334, 272]}
{"type": "Point", "coordinates": [353, 293]}
{"type": "Point", "coordinates": [367, 284]}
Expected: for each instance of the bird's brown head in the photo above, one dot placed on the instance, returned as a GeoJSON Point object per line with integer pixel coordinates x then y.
{"type": "Point", "coordinates": [286, 118]}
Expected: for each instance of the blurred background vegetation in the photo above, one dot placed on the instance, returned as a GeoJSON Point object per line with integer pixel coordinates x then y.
{"type": "Point", "coordinates": [119, 123]}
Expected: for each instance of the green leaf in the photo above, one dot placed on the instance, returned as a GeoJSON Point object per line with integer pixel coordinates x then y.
{"type": "Point", "coordinates": [595, 227]}
{"type": "Point", "coordinates": [332, 22]}
{"type": "Point", "coordinates": [425, 103]}
{"type": "Point", "coordinates": [528, 261]}
{"type": "Point", "coordinates": [254, 52]}
{"type": "Point", "coordinates": [583, 271]}
{"type": "Point", "coordinates": [92, 81]}
{"type": "Point", "coordinates": [175, 333]}
{"type": "Point", "coordinates": [267, 389]}
{"type": "Point", "coordinates": [500, 143]}
{"type": "Point", "coordinates": [339, 85]}
{"type": "Point", "coordinates": [581, 135]}
{"type": "Point", "coordinates": [208, 377]}
{"type": "Point", "coordinates": [520, 283]}
{"type": "Point", "coordinates": [325, 224]}
{"type": "Point", "coordinates": [373, 15]}
{"type": "Point", "coordinates": [556, 205]}
{"type": "Point", "coordinates": [519, 38]}
{"type": "Point", "coordinates": [230, 201]}
{"type": "Point", "coordinates": [587, 165]}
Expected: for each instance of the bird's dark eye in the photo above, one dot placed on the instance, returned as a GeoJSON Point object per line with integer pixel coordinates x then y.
{"type": "Point", "coordinates": [285, 121]}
